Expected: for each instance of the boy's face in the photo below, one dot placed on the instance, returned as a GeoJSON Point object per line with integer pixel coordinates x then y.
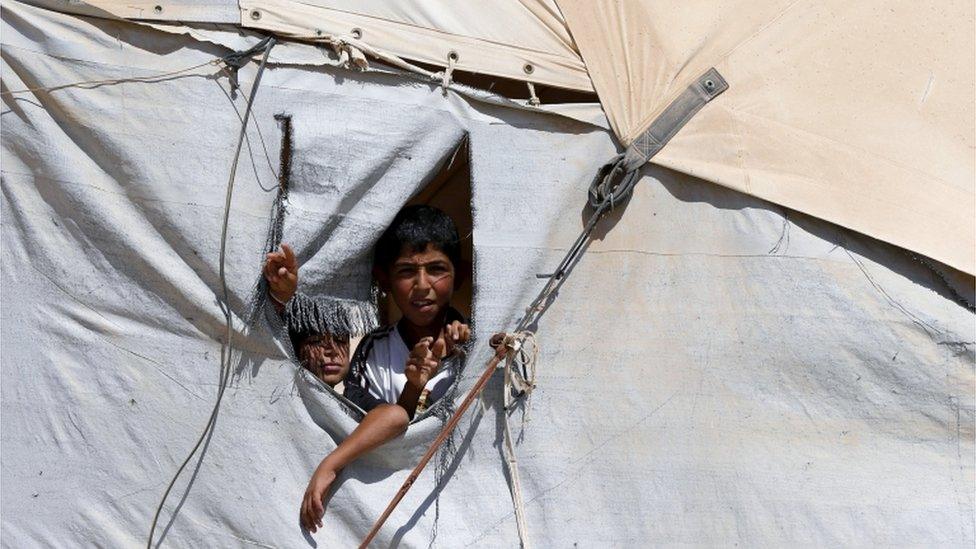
{"type": "Point", "coordinates": [421, 284]}
{"type": "Point", "coordinates": [327, 357]}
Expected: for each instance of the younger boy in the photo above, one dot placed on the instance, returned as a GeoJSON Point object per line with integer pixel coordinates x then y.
{"type": "Point", "coordinates": [415, 262]}
{"type": "Point", "coordinates": [325, 355]}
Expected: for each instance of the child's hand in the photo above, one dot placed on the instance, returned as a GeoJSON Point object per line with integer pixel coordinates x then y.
{"type": "Point", "coordinates": [281, 272]}
{"type": "Point", "coordinates": [455, 333]}
{"type": "Point", "coordinates": [312, 507]}
{"type": "Point", "coordinates": [424, 360]}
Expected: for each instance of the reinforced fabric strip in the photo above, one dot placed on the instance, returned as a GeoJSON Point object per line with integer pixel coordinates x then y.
{"type": "Point", "coordinates": [615, 181]}
{"type": "Point", "coordinates": [226, 348]}
{"type": "Point", "coordinates": [706, 87]}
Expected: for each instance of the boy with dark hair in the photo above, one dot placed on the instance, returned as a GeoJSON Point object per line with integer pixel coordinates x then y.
{"type": "Point", "coordinates": [399, 369]}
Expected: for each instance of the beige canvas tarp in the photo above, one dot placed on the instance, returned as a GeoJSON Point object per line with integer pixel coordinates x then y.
{"type": "Point", "coordinates": [512, 39]}
{"type": "Point", "coordinates": [858, 113]}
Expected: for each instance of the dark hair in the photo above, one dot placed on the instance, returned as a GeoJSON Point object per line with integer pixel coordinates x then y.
{"type": "Point", "coordinates": [300, 336]}
{"type": "Point", "coordinates": [297, 338]}
{"type": "Point", "coordinates": [414, 228]}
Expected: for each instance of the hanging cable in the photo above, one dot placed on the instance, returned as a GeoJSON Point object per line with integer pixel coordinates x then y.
{"type": "Point", "coordinates": [247, 140]}
{"type": "Point", "coordinates": [88, 84]}
{"type": "Point", "coordinates": [235, 59]}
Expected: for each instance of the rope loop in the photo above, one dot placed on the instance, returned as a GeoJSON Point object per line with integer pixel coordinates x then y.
{"type": "Point", "coordinates": [520, 359]}
{"type": "Point", "coordinates": [520, 366]}
{"type": "Point", "coordinates": [446, 76]}
{"type": "Point", "coordinates": [533, 98]}
{"type": "Point", "coordinates": [350, 56]}
{"type": "Point", "coordinates": [235, 60]}
{"type": "Point", "coordinates": [613, 183]}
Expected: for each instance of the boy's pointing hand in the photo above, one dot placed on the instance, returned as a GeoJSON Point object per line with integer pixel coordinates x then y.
{"type": "Point", "coordinates": [423, 362]}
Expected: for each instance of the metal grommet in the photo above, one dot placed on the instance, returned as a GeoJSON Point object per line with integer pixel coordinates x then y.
{"type": "Point", "coordinates": [158, 9]}
{"type": "Point", "coordinates": [255, 14]}
{"type": "Point", "coordinates": [356, 33]}
{"type": "Point", "coordinates": [528, 68]}
{"type": "Point", "coordinates": [709, 84]}
{"type": "Point", "coordinates": [453, 56]}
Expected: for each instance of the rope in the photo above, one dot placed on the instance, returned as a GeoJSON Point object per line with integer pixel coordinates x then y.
{"type": "Point", "coordinates": [87, 84]}
{"type": "Point", "coordinates": [611, 185]}
{"type": "Point", "coordinates": [225, 349]}
{"type": "Point", "coordinates": [350, 56]}
{"type": "Point", "coordinates": [522, 355]}
{"type": "Point", "coordinates": [448, 75]}
{"type": "Point", "coordinates": [533, 98]}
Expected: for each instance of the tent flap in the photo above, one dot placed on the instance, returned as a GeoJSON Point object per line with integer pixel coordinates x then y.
{"type": "Point", "coordinates": [858, 113]}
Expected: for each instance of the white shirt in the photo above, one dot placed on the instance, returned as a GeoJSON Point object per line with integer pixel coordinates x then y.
{"type": "Point", "coordinates": [378, 370]}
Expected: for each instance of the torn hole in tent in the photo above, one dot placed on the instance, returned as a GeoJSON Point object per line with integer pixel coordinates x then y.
{"type": "Point", "coordinates": [449, 191]}
{"type": "Point", "coordinates": [447, 186]}
{"type": "Point", "coordinates": [306, 317]}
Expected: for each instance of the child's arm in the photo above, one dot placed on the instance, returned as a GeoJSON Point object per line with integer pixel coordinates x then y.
{"type": "Point", "coordinates": [380, 425]}
{"type": "Point", "coordinates": [281, 272]}
{"type": "Point", "coordinates": [383, 423]}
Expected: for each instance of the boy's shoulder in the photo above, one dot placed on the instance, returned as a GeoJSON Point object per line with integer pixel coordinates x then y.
{"type": "Point", "coordinates": [388, 337]}
{"type": "Point", "coordinates": [381, 333]}
{"type": "Point", "coordinates": [382, 336]}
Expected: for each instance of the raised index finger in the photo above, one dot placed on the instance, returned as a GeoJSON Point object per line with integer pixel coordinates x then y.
{"type": "Point", "coordinates": [420, 349]}
{"type": "Point", "coordinates": [439, 348]}
{"type": "Point", "coordinates": [289, 255]}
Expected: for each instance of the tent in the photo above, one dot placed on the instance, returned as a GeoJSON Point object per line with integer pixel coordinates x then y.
{"type": "Point", "coordinates": [769, 342]}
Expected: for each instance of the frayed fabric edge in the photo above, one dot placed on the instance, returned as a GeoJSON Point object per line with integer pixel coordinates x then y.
{"type": "Point", "coordinates": [343, 317]}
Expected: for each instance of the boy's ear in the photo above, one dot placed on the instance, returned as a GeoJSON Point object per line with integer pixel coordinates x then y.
{"type": "Point", "coordinates": [382, 278]}
{"type": "Point", "coordinates": [462, 272]}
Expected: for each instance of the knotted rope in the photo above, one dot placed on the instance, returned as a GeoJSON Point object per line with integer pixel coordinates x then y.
{"type": "Point", "coordinates": [520, 358]}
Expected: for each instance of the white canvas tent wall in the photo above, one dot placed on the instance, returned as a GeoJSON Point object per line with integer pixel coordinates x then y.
{"type": "Point", "coordinates": [715, 370]}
